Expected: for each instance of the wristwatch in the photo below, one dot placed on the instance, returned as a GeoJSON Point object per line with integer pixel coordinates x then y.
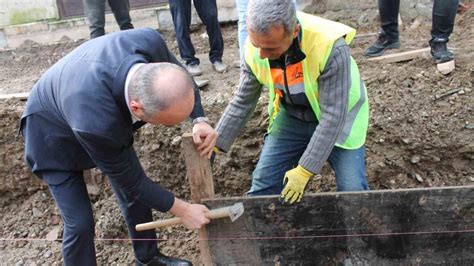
{"type": "Point", "coordinates": [200, 119]}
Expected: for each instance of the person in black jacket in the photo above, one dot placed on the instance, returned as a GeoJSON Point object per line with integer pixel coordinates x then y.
{"type": "Point", "coordinates": [444, 14]}
{"type": "Point", "coordinates": [82, 113]}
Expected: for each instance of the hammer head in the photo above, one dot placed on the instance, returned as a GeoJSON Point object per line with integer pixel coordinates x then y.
{"type": "Point", "coordinates": [235, 211]}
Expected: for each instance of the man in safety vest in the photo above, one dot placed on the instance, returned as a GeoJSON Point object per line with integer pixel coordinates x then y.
{"type": "Point", "coordinates": [318, 108]}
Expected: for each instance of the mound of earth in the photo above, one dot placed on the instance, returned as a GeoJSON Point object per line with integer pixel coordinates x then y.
{"type": "Point", "coordinates": [415, 139]}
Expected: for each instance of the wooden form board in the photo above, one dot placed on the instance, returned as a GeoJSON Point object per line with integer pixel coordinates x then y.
{"type": "Point", "coordinates": [403, 56]}
{"type": "Point", "coordinates": [20, 95]}
{"type": "Point", "coordinates": [24, 95]}
{"type": "Point", "coordinates": [389, 227]}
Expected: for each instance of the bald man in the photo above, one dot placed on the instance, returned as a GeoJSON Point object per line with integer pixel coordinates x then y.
{"type": "Point", "coordinates": [82, 114]}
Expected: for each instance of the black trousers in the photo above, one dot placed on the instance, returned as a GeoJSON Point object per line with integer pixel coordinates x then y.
{"type": "Point", "coordinates": [444, 13]}
{"type": "Point", "coordinates": [95, 13]}
{"type": "Point", "coordinates": [78, 238]}
{"type": "Point", "coordinates": [207, 12]}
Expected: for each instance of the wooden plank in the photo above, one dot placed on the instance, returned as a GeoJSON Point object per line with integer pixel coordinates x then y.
{"type": "Point", "coordinates": [389, 227]}
{"type": "Point", "coordinates": [199, 174]}
{"type": "Point", "coordinates": [398, 57]}
{"type": "Point", "coordinates": [24, 95]}
{"type": "Point", "coordinates": [366, 35]}
{"type": "Point", "coordinates": [20, 95]}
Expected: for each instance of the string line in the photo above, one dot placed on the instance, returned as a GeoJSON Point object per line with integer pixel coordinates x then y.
{"type": "Point", "coordinates": [254, 238]}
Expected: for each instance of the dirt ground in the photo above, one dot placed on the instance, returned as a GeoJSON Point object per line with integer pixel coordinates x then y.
{"type": "Point", "coordinates": [414, 140]}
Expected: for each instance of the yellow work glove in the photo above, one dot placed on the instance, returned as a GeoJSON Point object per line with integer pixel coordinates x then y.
{"type": "Point", "coordinates": [295, 180]}
{"type": "Point", "coordinates": [215, 150]}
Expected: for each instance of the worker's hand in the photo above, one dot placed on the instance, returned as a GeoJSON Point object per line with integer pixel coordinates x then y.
{"type": "Point", "coordinates": [192, 215]}
{"type": "Point", "coordinates": [205, 138]}
{"type": "Point", "coordinates": [295, 180]}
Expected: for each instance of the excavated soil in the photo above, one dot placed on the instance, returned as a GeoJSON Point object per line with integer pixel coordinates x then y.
{"type": "Point", "coordinates": [415, 139]}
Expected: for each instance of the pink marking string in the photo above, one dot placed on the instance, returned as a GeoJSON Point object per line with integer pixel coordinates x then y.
{"type": "Point", "coordinates": [252, 238]}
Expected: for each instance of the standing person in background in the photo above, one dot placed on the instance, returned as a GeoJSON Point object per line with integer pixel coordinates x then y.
{"type": "Point", "coordinates": [95, 13]}
{"type": "Point", "coordinates": [207, 11]}
{"type": "Point", "coordinates": [444, 13]}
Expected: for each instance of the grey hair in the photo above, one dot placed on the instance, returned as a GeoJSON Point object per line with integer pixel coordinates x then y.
{"type": "Point", "coordinates": [262, 15]}
{"type": "Point", "coordinates": [156, 97]}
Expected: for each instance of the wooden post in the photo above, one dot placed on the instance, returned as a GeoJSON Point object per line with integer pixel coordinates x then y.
{"type": "Point", "coordinates": [199, 175]}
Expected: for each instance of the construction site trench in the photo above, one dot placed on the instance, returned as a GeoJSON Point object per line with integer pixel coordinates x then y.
{"type": "Point", "coordinates": [420, 135]}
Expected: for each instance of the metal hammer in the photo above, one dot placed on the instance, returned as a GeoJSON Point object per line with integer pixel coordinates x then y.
{"type": "Point", "coordinates": [233, 212]}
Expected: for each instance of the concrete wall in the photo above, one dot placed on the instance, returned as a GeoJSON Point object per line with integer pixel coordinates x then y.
{"type": "Point", "coordinates": [356, 13]}
{"type": "Point", "coordinates": [13, 12]}
{"type": "Point", "coordinates": [48, 32]}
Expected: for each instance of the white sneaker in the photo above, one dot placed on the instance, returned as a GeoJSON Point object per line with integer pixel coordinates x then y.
{"type": "Point", "coordinates": [194, 70]}
{"type": "Point", "coordinates": [219, 66]}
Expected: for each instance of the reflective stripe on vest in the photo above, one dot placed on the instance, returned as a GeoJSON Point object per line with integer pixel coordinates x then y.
{"type": "Point", "coordinates": [318, 37]}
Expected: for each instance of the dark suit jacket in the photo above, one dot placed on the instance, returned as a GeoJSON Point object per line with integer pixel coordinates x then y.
{"type": "Point", "coordinates": [77, 118]}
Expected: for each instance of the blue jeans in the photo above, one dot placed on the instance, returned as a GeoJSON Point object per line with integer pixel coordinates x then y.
{"type": "Point", "coordinates": [285, 145]}
{"type": "Point", "coordinates": [207, 12]}
{"type": "Point", "coordinates": [78, 239]}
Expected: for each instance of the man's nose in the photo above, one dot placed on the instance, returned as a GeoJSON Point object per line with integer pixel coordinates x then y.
{"type": "Point", "coordinates": [263, 54]}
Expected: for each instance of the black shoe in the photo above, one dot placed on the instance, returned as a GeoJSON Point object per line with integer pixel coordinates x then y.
{"type": "Point", "coordinates": [383, 43]}
{"type": "Point", "coordinates": [439, 50]}
{"type": "Point", "coordinates": [162, 260]}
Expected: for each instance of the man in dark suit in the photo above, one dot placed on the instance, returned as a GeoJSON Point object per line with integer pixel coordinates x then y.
{"type": "Point", "coordinates": [82, 114]}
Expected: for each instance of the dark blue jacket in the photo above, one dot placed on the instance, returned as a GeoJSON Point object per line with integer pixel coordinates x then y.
{"type": "Point", "coordinates": [76, 116]}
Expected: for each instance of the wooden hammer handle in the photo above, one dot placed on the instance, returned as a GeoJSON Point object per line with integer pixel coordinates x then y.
{"type": "Point", "coordinates": [214, 214]}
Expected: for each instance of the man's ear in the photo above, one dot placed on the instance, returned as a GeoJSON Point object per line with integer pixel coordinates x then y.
{"type": "Point", "coordinates": [297, 30]}
{"type": "Point", "coordinates": [135, 106]}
